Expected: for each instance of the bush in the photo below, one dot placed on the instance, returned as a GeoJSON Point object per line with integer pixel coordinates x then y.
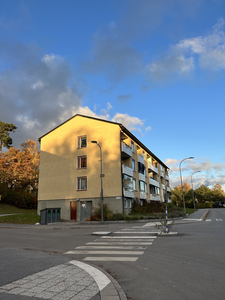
{"type": "Point", "coordinates": [18, 198]}
{"type": "Point", "coordinates": [147, 207]}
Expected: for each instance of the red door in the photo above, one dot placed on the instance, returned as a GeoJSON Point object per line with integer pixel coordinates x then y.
{"type": "Point", "coordinates": [73, 210]}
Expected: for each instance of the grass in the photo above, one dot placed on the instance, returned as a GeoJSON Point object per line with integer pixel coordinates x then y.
{"type": "Point", "coordinates": [24, 216]}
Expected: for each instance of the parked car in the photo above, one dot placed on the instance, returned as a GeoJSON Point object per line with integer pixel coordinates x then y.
{"type": "Point", "coordinates": [218, 204]}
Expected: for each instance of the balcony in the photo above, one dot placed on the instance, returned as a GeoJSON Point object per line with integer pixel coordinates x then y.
{"type": "Point", "coordinates": [167, 177]}
{"type": "Point", "coordinates": [168, 189]}
{"type": "Point", "coordinates": [155, 198]}
{"type": "Point", "coordinates": [141, 159]}
{"type": "Point", "coordinates": [141, 177]}
{"type": "Point", "coordinates": [152, 168]}
{"type": "Point", "coordinates": [143, 195]}
{"type": "Point", "coordinates": [163, 186]}
{"type": "Point", "coordinates": [128, 194]}
{"type": "Point", "coordinates": [126, 151]}
{"type": "Point", "coordinates": [126, 170]}
{"type": "Point", "coordinates": [153, 182]}
{"type": "Point", "coordinates": [162, 174]}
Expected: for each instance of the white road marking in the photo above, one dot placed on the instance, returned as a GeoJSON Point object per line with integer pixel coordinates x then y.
{"type": "Point", "coordinates": [129, 237]}
{"type": "Point", "coordinates": [208, 220]}
{"type": "Point", "coordinates": [101, 279]}
{"type": "Point", "coordinates": [131, 259]}
{"type": "Point", "coordinates": [139, 232]}
{"type": "Point", "coordinates": [118, 243]}
{"type": "Point", "coordinates": [111, 247]}
{"type": "Point", "coordinates": [219, 220]}
{"type": "Point", "coordinates": [105, 252]}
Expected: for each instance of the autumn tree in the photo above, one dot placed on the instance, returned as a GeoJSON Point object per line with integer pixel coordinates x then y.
{"type": "Point", "coordinates": [5, 139]}
{"type": "Point", "coordinates": [19, 168]}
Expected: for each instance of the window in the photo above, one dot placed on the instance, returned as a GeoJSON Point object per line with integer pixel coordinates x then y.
{"type": "Point", "coordinates": [125, 203]}
{"type": "Point", "coordinates": [134, 184]}
{"type": "Point", "coordinates": [128, 182]}
{"type": "Point", "coordinates": [82, 142]}
{"type": "Point", "coordinates": [82, 162]}
{"type": "Point", "coordinates": [133, 164]}
{"type": "Point", "coordinates": [154, 190]}
{"type": "Point", "coordinates": [141, 168]}
{"type": "Point", "coordinates": [81, 183]}
{"type": "Point", "coordinates": [143, 186]}
{"type": "Point", "coordinates": [129, 204]}
{"type": "Point", "coordinates": [132, 146]}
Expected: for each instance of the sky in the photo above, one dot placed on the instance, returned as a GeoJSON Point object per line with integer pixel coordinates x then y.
{"type": "Point", "coordinates": [157, 67]}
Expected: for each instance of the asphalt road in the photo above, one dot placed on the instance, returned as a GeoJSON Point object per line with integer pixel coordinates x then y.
{"type": "Point", "coordinates": [190, 265]}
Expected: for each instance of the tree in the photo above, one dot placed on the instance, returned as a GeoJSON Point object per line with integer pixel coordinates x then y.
{"type": "Point", "coordinates": [5, 139]}
{"type": "Point", "coordinates": [203, 194]}
{"type": "Point", "coordinates": [19, 168]}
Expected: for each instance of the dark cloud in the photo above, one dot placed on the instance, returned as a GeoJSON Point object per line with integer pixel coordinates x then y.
{"type": "Point", "coordinates": [34, 90]}
{"type": "Point", "coordinates": [124, 98]}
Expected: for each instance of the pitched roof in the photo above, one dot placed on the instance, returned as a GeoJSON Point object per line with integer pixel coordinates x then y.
{"type": "Point", "coordinates": [123, 128]}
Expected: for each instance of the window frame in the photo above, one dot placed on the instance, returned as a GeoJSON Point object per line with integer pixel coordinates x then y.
{"type": "Point", "coordinates": [79, 159]}
{"type": "Point", "coordinates": [78, 185]}
{"type": "Point", "coordinates": [79, 141]}
{"type": "Point", "coordinates": [133, 165]}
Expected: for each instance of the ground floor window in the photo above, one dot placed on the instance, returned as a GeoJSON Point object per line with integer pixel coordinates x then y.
{"type": "Point", "coordinates": [81, 183]}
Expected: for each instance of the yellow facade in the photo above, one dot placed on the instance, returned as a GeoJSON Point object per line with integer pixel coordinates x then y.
{"type": "Point", "coordinates": [70, 166]}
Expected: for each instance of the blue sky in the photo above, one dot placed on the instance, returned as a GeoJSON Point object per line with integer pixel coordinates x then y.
{"type": "Point", "coordinates": [158, 67]}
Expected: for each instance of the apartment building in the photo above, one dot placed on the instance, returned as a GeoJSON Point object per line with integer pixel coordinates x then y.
{"type": "Point", "coordinates": [70, 169]}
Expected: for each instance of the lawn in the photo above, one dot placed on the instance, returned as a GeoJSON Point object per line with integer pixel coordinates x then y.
{"type": "Point", "coordinates": [23, 216]}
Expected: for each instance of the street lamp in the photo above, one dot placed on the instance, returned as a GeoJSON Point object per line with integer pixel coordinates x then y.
{"type": "Point", "coordinates": [192, 187]}
{"type": "Point", "coordinates": [95, 142]}
{"type": "Point", "coordinates": [181, 182]}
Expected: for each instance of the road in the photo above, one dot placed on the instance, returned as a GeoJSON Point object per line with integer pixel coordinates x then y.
{"type": "Point", "coordinates": [189, 265]}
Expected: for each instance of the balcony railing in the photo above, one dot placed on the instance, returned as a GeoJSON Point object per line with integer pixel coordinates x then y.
{"type": "Point", "coordinates": [155, 197]}
{"type": "Point", "coordinates": [163, 186]}
{"type": "Point", "coordinates": [126, 170]}
{"type": "Point", "coordinates": [141, 159]}
{"type": "Point", "coordinates": [143, 195]}
{"type": "Point", "coordinates": [153, 182]}
{"type": "Point", "coordinates": [141, 177]}
{"type": "Point", "coordinates": [153, 168]}
{"type": "Point", "coordinates": [167, 177]}
{"type": "Point", "coordinates": [162, 174]}
{"type": "Point", "coordinates": [127, 193]}
{"type": "Point", "coordinates": [126, 150]}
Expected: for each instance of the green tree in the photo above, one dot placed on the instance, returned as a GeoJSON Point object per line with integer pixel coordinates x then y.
{"type": "Point", "coordinates": [203, 194]}
{"type": "Point", "coordinates": [5, 139]}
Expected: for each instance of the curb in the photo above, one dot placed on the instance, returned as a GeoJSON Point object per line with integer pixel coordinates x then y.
{"type": "Point", "coordinates": [118, 288]}
{"type": "Point", "coordinates": [205, 214]}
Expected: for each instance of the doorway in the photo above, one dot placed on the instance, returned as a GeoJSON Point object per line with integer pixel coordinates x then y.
{"type": "Point", "coordinates": [86, 210]}
{"type": "Point", "coordinates": [73, 210]}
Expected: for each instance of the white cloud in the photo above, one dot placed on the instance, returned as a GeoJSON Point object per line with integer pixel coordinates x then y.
{"type": "Point", "coordinates": [211, 172]}
{"type": "Point", "coordinates": [204, 52]}
{"type": "Point", "coordinates": [132, 123]}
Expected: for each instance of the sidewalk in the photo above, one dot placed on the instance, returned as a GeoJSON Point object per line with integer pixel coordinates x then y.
{"type": "Point", "coordinates": [74, 280]}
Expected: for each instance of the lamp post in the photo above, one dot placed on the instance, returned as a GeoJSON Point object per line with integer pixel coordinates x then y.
{"type": "Point", "coordinates": [95, 142]}
{"type": "Point", "coordinates": [182, 183]}
{"type": "Point", "coordinates": [192, 187]}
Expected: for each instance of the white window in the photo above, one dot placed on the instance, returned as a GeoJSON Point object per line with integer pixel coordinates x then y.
{"type": "Point", "coordinates": [132, 146]}
{"type": "Point", "coordinates": [134, 184]}
{"type": "Point", "coordinates": [143, 186]}
{"type": "Point", "coordinates": [129, 204]}
{"type": "Point", "coordinates": [125, 203]}
{"type": "Point", "coordinates": [81, 183]}
{"type": "Point", "coordinates": [82, 142]}
{"type": "Point", "coordinates": [133, 165]}
{"type": "Point", "coordinates": [82, 162]}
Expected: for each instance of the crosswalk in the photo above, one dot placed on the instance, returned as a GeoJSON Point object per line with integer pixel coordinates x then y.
{"type": "Point", "coordinates": [217, 220]}
{"type": "Point", "coordinates": [126, 245]}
